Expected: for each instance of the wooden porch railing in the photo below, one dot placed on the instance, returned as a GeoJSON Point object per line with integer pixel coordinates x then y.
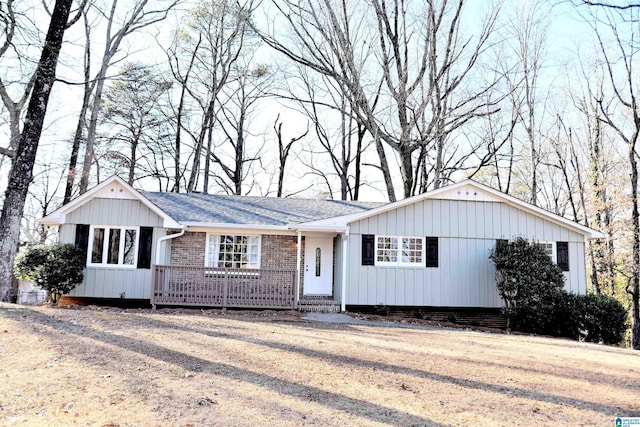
{"type": "Point", "coordinates": [223, 287]}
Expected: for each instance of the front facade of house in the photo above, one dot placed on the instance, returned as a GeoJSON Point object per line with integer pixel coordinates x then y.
{"type": "Point", "coordinates": [458, 235]}
{"type": "Point", "coordinates": [232, 251]}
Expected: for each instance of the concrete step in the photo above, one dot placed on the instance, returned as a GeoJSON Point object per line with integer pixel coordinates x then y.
{"type": "Point", "coordinates": [319, 306]}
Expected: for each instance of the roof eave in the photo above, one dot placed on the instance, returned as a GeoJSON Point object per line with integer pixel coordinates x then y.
{"type": "Point", "coordinates": [196, 224]}
{"type": "Point", "coordinates": [319, 228]}
{"type": "Point", "coordinates": [58, 217]}
{"type": "Point", "coordinates": [587, 232]}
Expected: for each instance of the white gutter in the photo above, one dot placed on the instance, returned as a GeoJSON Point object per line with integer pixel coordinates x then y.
{"type": "Point", "coordinates": [164, 239]}
{"type": "Point", "coordinates": [203, 225]}
{"type": "Point", "coordinates": [299, 260]}
{"type": "Point", "coordinates": [319, 228]}
{"type": "Point", "coordinates": [345, 245]}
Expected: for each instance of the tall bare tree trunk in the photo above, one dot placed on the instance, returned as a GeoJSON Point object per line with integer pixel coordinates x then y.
{"type": "Point", "coordinates": [21, 172]}
{"type": "Point", "coordinates": [82, 117]}
{"type": "Point", "coordinates": [634, 285]}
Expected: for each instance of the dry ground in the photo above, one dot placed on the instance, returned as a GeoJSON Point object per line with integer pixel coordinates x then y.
{"type": "Point", "coordinates": [108, 367]}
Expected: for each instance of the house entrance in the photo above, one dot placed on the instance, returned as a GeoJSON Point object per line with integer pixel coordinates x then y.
{"type": "Point", "coordinates": [318, 266]}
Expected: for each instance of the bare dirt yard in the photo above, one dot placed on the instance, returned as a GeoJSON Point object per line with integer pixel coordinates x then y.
{"type": "Point", "coordinates": [132, 367]}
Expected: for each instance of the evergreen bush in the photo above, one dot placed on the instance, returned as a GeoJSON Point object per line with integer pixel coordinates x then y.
{"type": "Point", "coordinates": [535, 301]}
{"type": "Point", "coordinates": [57, 268]}
{"type": "Point", "coordinates": [529, 283]}
{"type": "Point", "coordinates": [604, 319]}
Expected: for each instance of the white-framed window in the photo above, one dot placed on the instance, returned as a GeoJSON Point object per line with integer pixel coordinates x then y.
{"type": "Point", "coordinates": [113, 246]}
{"type": "Point", "coordinates": [400, 251]}
{"type": "Point", "coordinates": [548, 247]}
{"type": "Point", "coordinates": [232, 251]}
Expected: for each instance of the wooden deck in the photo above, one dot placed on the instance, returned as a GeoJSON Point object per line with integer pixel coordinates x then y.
{"type": "Point", "coordinates": [223, 287]}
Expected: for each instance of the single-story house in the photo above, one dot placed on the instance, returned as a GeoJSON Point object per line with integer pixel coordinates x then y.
{"type": "Point", "coordinates": [430, 250]}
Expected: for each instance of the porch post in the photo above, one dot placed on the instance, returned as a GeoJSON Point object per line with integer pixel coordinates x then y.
{"type": "Point", "coordinates": [345, 247]}
{"type": "Point", "coordinates": [298, 266]}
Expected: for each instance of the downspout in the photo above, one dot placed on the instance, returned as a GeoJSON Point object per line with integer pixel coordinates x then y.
{"type": "Point", "coordinates": [345, 245]}
{"type": "Point", "coordinates": [154, 272]}
{"type": "Point", "coordinates": [164, 239]}
{"type": "Point", "coordinates": [298, 266]}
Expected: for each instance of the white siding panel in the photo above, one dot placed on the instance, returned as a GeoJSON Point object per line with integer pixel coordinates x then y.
{"type": "Point", "coordinates": [417, 285]}
{"type": "Point", "coordinates": [436, 218]}
{"type": "Point", "coordinates": [581, 268]}
{"type": "Point", "coordinates": [67, 233]}
{"type": "Point", "coordinates": [445, 214]}
{"type": "Point", "coordinates": [467, 232]}
{"type": "Point", "coordinates": [111, 282]}
{"type": "Point", "coordinates": [419, 219]}
{"type": "Point", "coordinates": [114, 212]}
{"type": "Point", "coordinates": [102, 282]}
{"type": "Point", "coordinates": [488, 221]}
{"type": "Point", "coordinates": [539, 230]}
{"type": "Point", "coordinates": [337, 267]}
{"type": "Point", "coordinates": [390, 222]}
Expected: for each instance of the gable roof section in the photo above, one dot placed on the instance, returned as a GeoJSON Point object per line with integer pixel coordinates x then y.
{"type": "Point", "coordinates": [112, 188]}
{"type": "Point", "coordinates": [194, 209]}
{"type": "Point", "coordinates": [465, 190]}
{"type": "Point", "coordinates": [209, 210]}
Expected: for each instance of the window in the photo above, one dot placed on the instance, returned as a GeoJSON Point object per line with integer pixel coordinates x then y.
{"type": "Point", "coordinates": [368, 249]}
{"type": "Point", "coordinates": [558, 252]}
{"type": "Point", "coordinates": [318, 261]}
{"type": "Point", "coordinates": [548, 248]}
{"type": "Point", "coordinates": [431, 249]}
{"type": "Point", "coordinates": [113, 246]}
{"type": "Point", "coordinates": [231, 251]}
{"type": "Point", "coordinates": [562, 251]}
{"type": "Point", "coordinates": [399, 250]}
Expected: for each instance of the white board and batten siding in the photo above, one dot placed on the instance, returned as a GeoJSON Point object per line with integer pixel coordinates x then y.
{"type": "Point", "coordinates": [466, 231]}
{"type": "Point", "coordinates": [112, 282]}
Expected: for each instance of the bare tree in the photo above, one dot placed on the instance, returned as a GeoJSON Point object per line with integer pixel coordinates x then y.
{"type": "Point", "coordinates": [42, 200]}
{"type": "Point", "coordinates": [182, 77]}
{"type": "Point", "coordinates": [422, 64]}
{"type": "Point", "coordinates": [78, 137]}
{"type": "Point", "coordinates": [236, 151]}
{"type": "Point", "coordinates": [609, 4]}
{"type": "Point", "coordinates": [138, 16]}
{"type": "Point", "coordinates": [21, 172]}
{"type": "Point", "coordinates": [210, 42]}
{"type": "Point", "coordinates": [527, 30]}
{"type": "Point", "coordinates": [330, 39]}
{"type": "Point", "coordinates": [619, 58]}
{"type": "Point", "coordinates": [18, 33]}
{"type": "Point", "coordinates": [133, 117]}
{"type": "Point", "coordinates": [284, 149]}
{"type": "Point", "coordinates": [340, 135]}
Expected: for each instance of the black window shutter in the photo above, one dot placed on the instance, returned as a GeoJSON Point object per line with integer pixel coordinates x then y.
{"type": "Point", "coordinates": [368, 249]}
{"type": "Point", "coordinates": [431, 251]}
{"type": "Point", "coordinates": [82, 238]}
{"type": "Point", "coordinates": [562, 254]}
{"type": "Point", "coordinates": [144, 250]}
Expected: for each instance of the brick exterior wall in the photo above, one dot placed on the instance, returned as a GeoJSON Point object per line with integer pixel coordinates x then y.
{"type": "Point", "coordinates": [277, 252]}
{"type": "Point", "coordinates": [188, 250]}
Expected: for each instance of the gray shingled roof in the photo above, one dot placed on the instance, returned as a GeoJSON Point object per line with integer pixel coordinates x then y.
{"type": "Point", "coordinates": [211, 208]}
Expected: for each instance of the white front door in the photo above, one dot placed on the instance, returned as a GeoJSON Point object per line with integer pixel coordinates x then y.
{"type": "Point", "coordinates": [318, 265]}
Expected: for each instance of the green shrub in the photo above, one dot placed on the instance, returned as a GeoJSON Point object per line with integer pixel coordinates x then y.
{"type": "Point", "coordinates": [535, 301]}
{"type": "Point", "coordinates": [603, 319]}
{"type": "Point", "coordinates": [56, 268]}
{"type": "Point", "coordinates": [566, 315]}
{"type": "Point", "coordinates": [529, 283]}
